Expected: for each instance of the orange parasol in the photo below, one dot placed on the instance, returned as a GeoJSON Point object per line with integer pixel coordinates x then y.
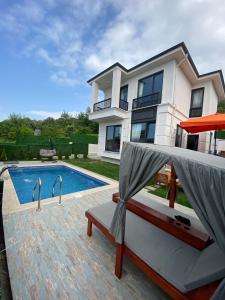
{"type": "Point", "coordinates": [206, 123]}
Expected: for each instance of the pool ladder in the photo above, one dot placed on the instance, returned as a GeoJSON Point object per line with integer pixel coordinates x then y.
{"type": "Point", "coordinates": [58, 178]}
{"type": "Point", "coordinates": [39, 185]}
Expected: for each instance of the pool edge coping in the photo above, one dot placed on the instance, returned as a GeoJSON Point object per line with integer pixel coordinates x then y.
{"type": "Point", "coordinates": [11, 203]}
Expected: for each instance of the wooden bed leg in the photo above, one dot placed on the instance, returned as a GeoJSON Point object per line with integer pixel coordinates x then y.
{"type": "Point", "coordinates": [89, 228]}
{"type": "Point", "coordinates": [119, 260]}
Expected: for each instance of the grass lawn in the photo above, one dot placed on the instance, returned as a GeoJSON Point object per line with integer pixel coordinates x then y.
{"type": "Point", "coordinates": [112, 171]}
{"type": "Point", "coordinates": [97, 166]}
{"type": "Point", "coordinates": [181, 197]}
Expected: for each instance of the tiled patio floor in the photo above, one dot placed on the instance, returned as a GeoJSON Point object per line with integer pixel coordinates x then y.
{"type": "Point", "coordinates": [51, 257]}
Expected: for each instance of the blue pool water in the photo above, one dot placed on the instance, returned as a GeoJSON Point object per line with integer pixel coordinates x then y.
{"type": "Point", "coordinates": [24, 179]}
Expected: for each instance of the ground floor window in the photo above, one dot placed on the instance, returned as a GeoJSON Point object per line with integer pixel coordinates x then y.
{"type": "Point", "coordinates": [143, 132]}
{"type": "Point", "coordinates": [178, 139]}
{"type": "Point", "coordinates": [192, 142]}
{"type": "Point", "coordinates": [113, 134]}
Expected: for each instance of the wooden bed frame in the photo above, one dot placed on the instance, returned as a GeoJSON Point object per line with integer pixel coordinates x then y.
{"type": "Point", "coordinates": [203, 293]}
{"type": "Point", "coordinates": [185, 233]}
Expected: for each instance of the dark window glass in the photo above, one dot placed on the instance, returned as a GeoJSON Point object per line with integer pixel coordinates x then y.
{"type": "Point", "coordinates": [192, 142]}
{"type": "Point", "coordinates": [113, 134]}
{"type": "Point", "coordinates": [143, 132]}
{"type": "Point", "coordinates": [178, 140]}
{"type": "Point", "coordinates": [145, 86]}
{"type": "Point", "coordinates": [196, 102]}
{"type": "Point", "coordinates": [124, 93]}
{"type": "Point", "coordinates": [151, 132]}
{"type": "Point", "coordinates": [151, 84]}
{"type": "Point", "coordinates": [138, 132]}
{"type": "Point", "coordinates": [158, 80]}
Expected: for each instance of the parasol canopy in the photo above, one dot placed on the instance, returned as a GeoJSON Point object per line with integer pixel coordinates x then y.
{"type": "Point", "coordinates": [206, 123]}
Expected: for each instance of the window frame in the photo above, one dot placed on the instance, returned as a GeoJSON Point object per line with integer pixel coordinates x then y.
{"type": "Point", "coordinates": [191, 104]}
{"type": "Point", "coordinates": [181, 136]}
{"type": "Point", "coordinates": [151, 75]}
{"type": "Point", "coordinates": [114, 126]}
{"type": "Point", "coordinates": [146, 132]}
{"type": "Point", "coordinates": [122, 87]}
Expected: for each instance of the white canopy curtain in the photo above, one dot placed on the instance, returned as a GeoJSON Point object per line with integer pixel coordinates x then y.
{"type": "Point", "coordinates": [202, 177]}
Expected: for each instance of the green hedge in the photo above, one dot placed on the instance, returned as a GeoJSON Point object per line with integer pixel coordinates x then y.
{"type": "Point", "coordinates": [38, 140]}
{"type": "Point", "coordinates": [22, 152]}
{"type": "Point", "coordinates": [32, 139]}
{"type": "Point", "coordinates": [63, 140]}
{"type": "Point", "coordinates": [28, 152]}
{"type": "Point", "coordinates": [28, 147]}
{"type": "Point", "coordinates": [85, 138]}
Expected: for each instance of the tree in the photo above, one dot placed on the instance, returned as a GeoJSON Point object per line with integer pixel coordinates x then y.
{"type": "Point", "coordinates": [64, 126]}
{"type": "Point", "coordinates": [221, 106]}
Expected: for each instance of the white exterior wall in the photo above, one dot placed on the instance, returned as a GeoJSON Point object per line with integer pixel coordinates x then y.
{"type": "Point", "coordinates": [210, 102]}
{"type": "Point", "coordinates": [175, 110]}
{"type": "Point", "coordinates": [108, 93]}
{"type": "Point", "coordinates": [167, 91]}
{"type": "Point", "coordinates": [169, 116]}
{"type": "Point", "coordinates": [125, 136]}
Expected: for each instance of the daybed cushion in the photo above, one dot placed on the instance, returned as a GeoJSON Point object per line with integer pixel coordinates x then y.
{"type": "Point", "coordinates": [164, 253]}
{"type": "Point", "coordinates": [173, 259]}
{"type": "Point", "coordinates": [209, 267]}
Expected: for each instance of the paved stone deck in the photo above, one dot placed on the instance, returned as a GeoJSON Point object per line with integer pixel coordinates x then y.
{"type": "Point", "coordinates": [51, 257]}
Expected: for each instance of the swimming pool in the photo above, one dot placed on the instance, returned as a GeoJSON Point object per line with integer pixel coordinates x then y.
{"type": "Point", "coordinates": [24, 179]}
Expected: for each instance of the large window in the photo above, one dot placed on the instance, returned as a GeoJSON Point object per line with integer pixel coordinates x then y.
{"type": "Point", "coordinates": [143, 132]}
{"type": "Point", "coordinates": [150, 85]}
{"type": "Point", "coordinates": [113, 134]}
{"type": "Point", "coordinates": [123, 97]}
{"type": "Point", "coordinates": [196, 102]}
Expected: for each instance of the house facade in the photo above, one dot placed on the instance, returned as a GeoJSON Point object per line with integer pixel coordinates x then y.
{"type": "Point", "coordinates": [147, 102]}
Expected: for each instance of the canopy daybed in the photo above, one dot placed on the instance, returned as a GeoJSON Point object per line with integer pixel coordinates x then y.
{"type": "Point", "coordinates": [183, 269]}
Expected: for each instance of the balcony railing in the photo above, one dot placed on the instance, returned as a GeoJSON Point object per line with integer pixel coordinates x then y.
{"type": "Point", "coordinates": [107, 104]}
{"type": "Point", "coordinates": [149, 100]}
{"type": "Point", "coordinates": [195, 112]}
{"type": "Point", "coordinates": [102, 105]}
{"type": "Point", "coordinates": [123, 104]}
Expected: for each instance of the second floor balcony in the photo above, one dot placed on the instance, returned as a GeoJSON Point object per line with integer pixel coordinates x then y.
{"type": "Point", "coordinates": [107, 104]}
{"type": "Point", "coordinates": [105, 110]}
{"type": "Point", "coordinates": [148, 100]}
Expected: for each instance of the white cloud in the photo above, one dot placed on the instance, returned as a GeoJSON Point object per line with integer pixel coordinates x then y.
{"type": "Point", "coordinates": [49, 114]}
{"type": "Point", "coordinates": [82, 37]}
{"type": "Point", "coordinates": [144, 28]}
{"type": "Point", "coordinates": [51, 31]}
{"type": "Point", "coordinates": [62, 78]}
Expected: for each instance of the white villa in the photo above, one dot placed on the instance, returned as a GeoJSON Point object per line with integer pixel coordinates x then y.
{"type": "Point", "coordinates": [147, 102]}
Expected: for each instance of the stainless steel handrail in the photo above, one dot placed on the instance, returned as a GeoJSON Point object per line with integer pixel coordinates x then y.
{"type": "Point", "coordinates": [39, 185]}
{"type": "Point", "coordinates": [60, 188]}
{"type": "Point", "coordinates": [5, 168]}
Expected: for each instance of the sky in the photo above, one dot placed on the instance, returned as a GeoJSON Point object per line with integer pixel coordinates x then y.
{"type": "Point", "coordinates": [50, 48]}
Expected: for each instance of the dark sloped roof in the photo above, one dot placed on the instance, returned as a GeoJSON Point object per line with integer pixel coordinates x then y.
{"type": "Point", "coordinates": [183, 46]}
